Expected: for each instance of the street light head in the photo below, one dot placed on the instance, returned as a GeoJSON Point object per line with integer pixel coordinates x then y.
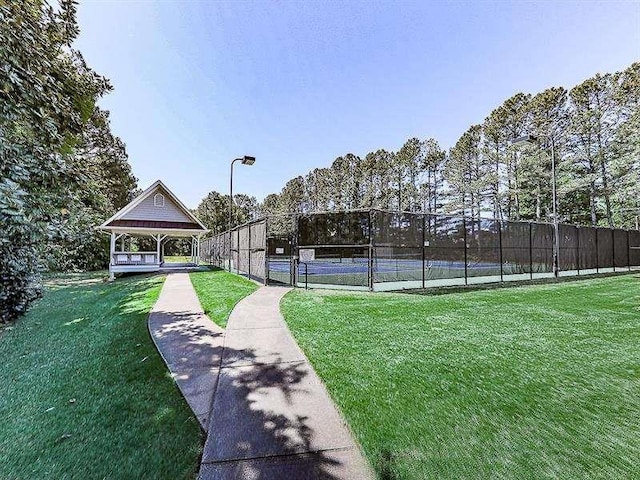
{"type": "Point", "coordinates": [247, 160]}
{"type": "Point", "coordinates": [525, 140]}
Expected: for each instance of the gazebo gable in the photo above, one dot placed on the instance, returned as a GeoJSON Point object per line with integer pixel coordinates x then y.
{"type": "Point", "coordinates": [156, 207]}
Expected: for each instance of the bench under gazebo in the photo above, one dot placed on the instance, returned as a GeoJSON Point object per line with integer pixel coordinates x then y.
{"type": "Point", "coordinates": [156, 213]}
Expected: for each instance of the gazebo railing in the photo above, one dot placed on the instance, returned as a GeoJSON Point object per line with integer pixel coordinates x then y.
{"type": "Point", "coordinates": [135, 258]}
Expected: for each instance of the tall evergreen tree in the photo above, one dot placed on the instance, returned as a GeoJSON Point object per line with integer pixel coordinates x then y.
{"type": "Point", "coordinates": [594, 120]}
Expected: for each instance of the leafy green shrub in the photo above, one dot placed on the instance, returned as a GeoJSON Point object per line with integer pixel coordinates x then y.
{"type": "Point", "coordinates": [49, 168]}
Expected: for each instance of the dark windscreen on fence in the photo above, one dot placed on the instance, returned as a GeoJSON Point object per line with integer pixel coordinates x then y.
{"type": "Point", "coordinates": [588, 252]}
{"type": "Point", "coordinates": [620, 248]}
{"type": "Point", "coordinates": [257, 250]}
{"type": "Point", "coordinates": [339, 228]}
{"type": "Point", "coordinates": [568, 258]}
{"type": "Point", "coordinates": [444, 247]}
{"type": "Point", "coordinates": [634, 248]}
{"type": "Point", "coordinates": [483, 248]}
{"type": "Point", "coordinates": [243, 250]}
{"type": "Point", "coordinates": [338, 243]}
{"type": "Point", "coordinates": [391, 229]}
{"type": "Point", "coordinates": [604, 237]}
{"type": "Point", "coordinates": [516, 248]}
{"type": "Point", "coordinates": [393, 250]}
{"type": "Point", "coordinates": [542, 247]}
{"type": "Point", "coordinates": [397, 239]}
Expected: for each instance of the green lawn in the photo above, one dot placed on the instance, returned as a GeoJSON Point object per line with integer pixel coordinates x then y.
{"type": "Point", "coordinates": [177, 259]}
{"type": "Point", "coordinates": [219, 291]}
{"type": "Point", "coordinates": [529, 382]}
{"type": "Point", "coordinates": [85, 393]}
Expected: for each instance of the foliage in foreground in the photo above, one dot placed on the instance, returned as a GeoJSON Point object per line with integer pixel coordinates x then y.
{"type": "Point", "coordinates": [60, 167]}
{"type": "Point", "coordinates": [85, 393]}
{"type": "Point", "coordinates": [530, 382]}
{"type": "Point", "coordinates": [219, 291]}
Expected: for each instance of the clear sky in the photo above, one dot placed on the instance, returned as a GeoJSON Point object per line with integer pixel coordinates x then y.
{"type": "Point", "coordinates": [297, 84]}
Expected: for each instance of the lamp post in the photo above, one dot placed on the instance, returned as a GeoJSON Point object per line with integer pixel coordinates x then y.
{"type": "Point", "coordinates": [532, 140]}
{"type": "Point", "coordinates": [246, 160]}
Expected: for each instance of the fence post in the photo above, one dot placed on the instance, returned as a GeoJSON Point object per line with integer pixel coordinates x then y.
{"type": "Point", "coordinates": [597, 252]}
{"type": "Point", "coordinates": [578, 250]}
{"type": "Point", "coordinates": [370, 266]}
{"type": "Point", "coordinates": [500, 248]}
{"type": "Point", "coordinates": [294, 247]}
{"type": "Point", "coordinates": [266, 251]}
{"type": "Point", "coordinates": [530, 251]}
{"type": "Point", "coordinates": [613, 250]}
{"type": "Point", "coordinates": [464, 228]}
{"type": "Point", "coordinates": [306, 276]}
{"type": "Point", "coordinates": [424, 239]}
{"type": "Point", "coordinates": [249, 259]}
{"type": "Point", "coordinates": [628, 252]}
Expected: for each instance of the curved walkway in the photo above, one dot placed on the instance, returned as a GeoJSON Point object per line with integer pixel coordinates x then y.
{"type": "Point", "coordinates": [267, 413]}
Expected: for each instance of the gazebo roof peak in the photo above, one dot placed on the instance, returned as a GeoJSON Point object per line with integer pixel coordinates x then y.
{"type": "Point", "coordinates": [156, 210]}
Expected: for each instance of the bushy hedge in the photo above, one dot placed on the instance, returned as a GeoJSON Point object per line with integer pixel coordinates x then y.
{"type": "Point", "coordinates": [19, 281]}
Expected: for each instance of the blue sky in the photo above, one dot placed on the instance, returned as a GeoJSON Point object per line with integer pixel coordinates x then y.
{"type": "Point", "coordinates": [297, 84]}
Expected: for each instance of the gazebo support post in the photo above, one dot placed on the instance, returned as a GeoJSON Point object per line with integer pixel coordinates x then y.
{"type": "Point", "coordinates": [158, 238]}
{"type": "Point", "coordinates": [112, 249]}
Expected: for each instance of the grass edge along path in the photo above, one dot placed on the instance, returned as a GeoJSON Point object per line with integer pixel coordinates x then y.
{"type": "Point", "coordinates": [219, 291]}
{"type": "Point", "coordinates": [527, 382]}
{"type": "Point", "coordinates": [85, 392]}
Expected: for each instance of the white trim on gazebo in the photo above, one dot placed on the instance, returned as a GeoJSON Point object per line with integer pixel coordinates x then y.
{"type": "Point", "coordinates": [159, 220]}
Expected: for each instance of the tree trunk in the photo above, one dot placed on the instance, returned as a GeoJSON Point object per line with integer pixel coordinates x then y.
{"type": "Point", "coordinates": [605, 191]}
{"type": "Point", "coordinates": [592, 203]}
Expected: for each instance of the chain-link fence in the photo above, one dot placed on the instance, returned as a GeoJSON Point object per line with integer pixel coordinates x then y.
{"type": "Point", "coordinates": [241, 250]}
{"type": "Point", "coordinates": [381, 250]}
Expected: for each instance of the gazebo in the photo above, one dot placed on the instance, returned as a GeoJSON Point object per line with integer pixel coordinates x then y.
{"type": "Point", "coordinates": [155, 213]}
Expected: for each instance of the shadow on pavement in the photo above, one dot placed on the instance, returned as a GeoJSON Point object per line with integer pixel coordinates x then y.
{"type": "Point", "coordinates": [258, 426]}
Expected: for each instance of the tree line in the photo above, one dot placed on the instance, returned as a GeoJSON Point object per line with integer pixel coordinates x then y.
{"type": "Point", "coordinates": [62, 171]}
{"type": "Point", "coordinates": [593, 130]}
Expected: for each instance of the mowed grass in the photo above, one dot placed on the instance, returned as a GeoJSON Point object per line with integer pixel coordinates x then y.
{"type": "Point", "coordinates": [219, 291]}
{"type": "Point", "coordinates": [85, 393]}
{"type": "Point", "coordinates": [530, 382]}
{"type": "Point", "coordinates": [177, 259]}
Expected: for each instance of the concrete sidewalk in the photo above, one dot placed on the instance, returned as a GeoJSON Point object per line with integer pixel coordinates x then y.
{"type": "Point", "coordinates": [267, 414]}
{"type": "Point", "coordinates": [272, 417]}
{"type": "Point", "coordinates": [189, 342]}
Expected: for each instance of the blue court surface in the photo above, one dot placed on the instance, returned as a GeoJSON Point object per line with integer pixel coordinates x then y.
{"type": "Point", "coordinates": [360, 265]}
